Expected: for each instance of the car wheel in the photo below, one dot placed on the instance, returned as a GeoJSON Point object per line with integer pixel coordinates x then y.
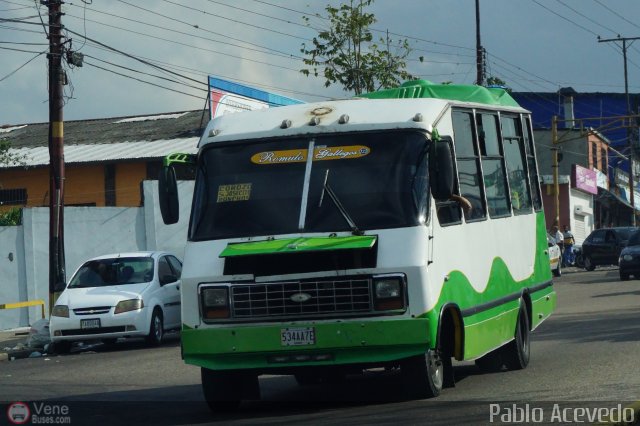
{"type": "Point", "coordinates": [516, 354]}
{"type": "Point", "coordinates": [624, 276]}
{"type": "Point", "coordinates": [558, 271]}
{"type": "Point", "coordinates": [588, 263]}
{"type": "Point", "coordinates": [156, 329]}
{"type": "Point", "coordinates": [423, 375]}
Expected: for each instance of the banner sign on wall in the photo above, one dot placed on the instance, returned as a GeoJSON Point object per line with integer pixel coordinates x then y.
{"type": "Point", "coordinates": [227, 97]}
{"type": "Point", "coordinates": [584, 179]}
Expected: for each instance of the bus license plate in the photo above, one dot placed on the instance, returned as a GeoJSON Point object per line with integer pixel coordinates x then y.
{"type": "Point", "coordinates": [298, 336]}
{"type": "Point", "coordinates": [90, 323]}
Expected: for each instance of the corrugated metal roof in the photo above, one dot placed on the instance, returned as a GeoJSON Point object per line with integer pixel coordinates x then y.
{"type": "Point", "coordinates": [39, 156]}
{"type": "Point", "coordinates": [110, 139]}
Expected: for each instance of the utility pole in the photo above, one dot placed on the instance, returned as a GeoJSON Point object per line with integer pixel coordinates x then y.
{"type": "Point", "coordinates": [57, 77]}
{"type": "Point", "coordinates": [479, 49]}
{"type": "Point", "coordinates": [629, 142]}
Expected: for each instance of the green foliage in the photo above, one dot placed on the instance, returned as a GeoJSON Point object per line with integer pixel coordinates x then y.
{"type": "Point", "coordinates": [347, 54]}
{"type": "Point", "coordinates": [8, 158]}
{"type": "Point", "coordinates": [12, 217]}
{"type": "Point", "coordinates": [497, 81]}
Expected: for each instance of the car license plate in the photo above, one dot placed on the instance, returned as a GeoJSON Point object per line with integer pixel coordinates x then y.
{"type": "Point", "coordinates": [90, 323]}
{"type": "Point", "coordinates": [298, 336]}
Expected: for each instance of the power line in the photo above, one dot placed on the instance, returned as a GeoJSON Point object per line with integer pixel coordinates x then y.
{"type": "Point", "coordinates": [218, 16]}
{"type": "Point", "coordinates": [266, 49]}
{"type": "Point", "coordinates": [142, 81]}
{"type": "Point", "coordinates": [585, 16]}
{"type": "Point", "coordinates": [616, 13]}
{"type": "Point", "coordinates": [187, 45]}
{"type": "Point", "coordinates": [21, 66]}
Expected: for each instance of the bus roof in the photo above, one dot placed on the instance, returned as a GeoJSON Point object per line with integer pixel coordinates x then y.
{"type": "Point", "coordinates": [457, 92]}
{"type": "Point", "coordinates": [415, 105]}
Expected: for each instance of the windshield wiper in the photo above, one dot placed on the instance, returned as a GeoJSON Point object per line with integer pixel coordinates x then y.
{"type": "Point", "coordinates": [345, 214]}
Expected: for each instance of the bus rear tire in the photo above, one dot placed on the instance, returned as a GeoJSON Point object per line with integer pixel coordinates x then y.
{"type": "Point", "coordinates": [517, 352]}
{"type": "Point", "coordinates": [422, 375]}
{"type": "Point", "coordinates": [491, 362]}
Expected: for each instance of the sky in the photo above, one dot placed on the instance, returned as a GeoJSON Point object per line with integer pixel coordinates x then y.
{"type": "Point", "coordinates": [533, 45]}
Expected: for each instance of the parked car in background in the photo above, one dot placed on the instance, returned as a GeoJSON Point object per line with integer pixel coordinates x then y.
{"type": "Point", "coordinates": [629, 260]}
{"type": "Point", "coordinates": [554, 256]}
{"type": "Point", "coordinates": [119, 295]}
{"type": "Point", "coordinates": [603, 246]}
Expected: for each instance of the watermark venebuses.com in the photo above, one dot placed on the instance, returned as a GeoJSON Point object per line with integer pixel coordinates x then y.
{"type": "Point", "coordinates": [561, 413]}
{"type": "Point", "coordinates": [20, 413]}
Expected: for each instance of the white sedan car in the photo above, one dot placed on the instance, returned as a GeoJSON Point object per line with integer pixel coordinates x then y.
{"type": "Point", "coordinates": [555, 256]}
{"type": "Point", "coordinates": [119, 295]}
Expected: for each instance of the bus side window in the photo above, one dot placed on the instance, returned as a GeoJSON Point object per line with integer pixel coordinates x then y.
{"type": "Point", "coordinates": [495, 182]}
{"type": "Point", "coordinates": [514, 155]}
{"type": "Point", "coordinates": [468, 164]}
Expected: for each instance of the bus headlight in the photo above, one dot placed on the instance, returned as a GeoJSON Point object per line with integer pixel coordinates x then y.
{"type": "Point", "coordinates": [389, 293]}
{"type": "Point", "coordinates": [215, 302]}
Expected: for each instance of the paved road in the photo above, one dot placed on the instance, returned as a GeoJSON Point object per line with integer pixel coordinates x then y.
{"type": "Point", "coordinates": [587, 351]}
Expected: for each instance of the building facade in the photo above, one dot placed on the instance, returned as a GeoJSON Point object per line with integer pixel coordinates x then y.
{"type": "Point", "coordinates": [106, 160]}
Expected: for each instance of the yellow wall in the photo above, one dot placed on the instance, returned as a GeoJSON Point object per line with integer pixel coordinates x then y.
{"type": "Point", "coordinates": [128, 178]}
{"type": "Point", "coordinates": [84, 184]}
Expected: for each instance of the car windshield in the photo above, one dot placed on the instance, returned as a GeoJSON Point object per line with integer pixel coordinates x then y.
{"type": "Point", "coordinates": [634, 239]}
{"type": "Point", "coordinates": [269, 187]}
{"type": "Point", "coordinates": [114, 271]}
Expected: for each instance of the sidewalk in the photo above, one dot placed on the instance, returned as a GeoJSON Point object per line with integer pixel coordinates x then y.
{"type": "Point", "coordinates": [13, 344]}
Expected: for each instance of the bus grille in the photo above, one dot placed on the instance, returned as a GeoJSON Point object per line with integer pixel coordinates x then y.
{"type": "Point", "coordinates": [302, 299]}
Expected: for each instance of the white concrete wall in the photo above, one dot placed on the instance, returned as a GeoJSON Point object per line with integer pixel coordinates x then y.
{"type": "Point", "coordinates": [12, 276]}
{"type": "Point", "coordinates": [581, 215]}
{"type": "Point", "coordinates": [89, 231]}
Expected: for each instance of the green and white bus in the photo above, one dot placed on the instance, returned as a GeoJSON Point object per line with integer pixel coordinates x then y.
{"type": "Point", "coordinates": [396, 230]}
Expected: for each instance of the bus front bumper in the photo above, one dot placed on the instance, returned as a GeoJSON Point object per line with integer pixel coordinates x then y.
{"type": "Point", "coordinates": [352, 342]}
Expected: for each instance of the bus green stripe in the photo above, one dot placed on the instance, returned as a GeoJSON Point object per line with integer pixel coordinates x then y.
{"type": "Point", "coordinates": [251, 346]}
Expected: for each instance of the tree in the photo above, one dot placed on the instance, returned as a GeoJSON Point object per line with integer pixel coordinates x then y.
{"type": "Point", "coordinates": [346, 53]}
{"type": "Point", "coordinates": [496, 81]}
{"type": "Point", "coordinates": [9, 158]}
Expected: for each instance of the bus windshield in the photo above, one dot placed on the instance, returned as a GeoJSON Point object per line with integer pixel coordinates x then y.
{"type": "Point", "coordinates": [268, 187]}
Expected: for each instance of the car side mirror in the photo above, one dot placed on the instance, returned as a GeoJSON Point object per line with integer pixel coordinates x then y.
{"type": "Point", "coordinates": [168, 195]}
{"type": "Point", "coordinates": [441, 168]}
{"type": "Point", "coordinates": [168, 278]}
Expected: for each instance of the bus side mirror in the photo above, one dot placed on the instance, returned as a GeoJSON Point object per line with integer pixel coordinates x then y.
{"type": "Point", "coordinates": [168, 195]}
{"type": "Point", "coordinates": [441, 169]}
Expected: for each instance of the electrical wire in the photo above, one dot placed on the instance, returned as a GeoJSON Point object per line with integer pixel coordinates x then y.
{"type": "Point", "coordinates": [21, 66]}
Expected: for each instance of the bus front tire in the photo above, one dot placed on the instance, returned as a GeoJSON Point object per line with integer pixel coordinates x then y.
{"type": "Point", "coordinates": [225, 390]}
{"type": "Point", "coordinates": [517, 352]}
{"type": "Point", "coordinates": [422, 375]}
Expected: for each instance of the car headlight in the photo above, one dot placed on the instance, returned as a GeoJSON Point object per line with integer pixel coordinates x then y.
{"type": "Point", "coordinates": [627, 257]}
{"type": "Point", "coordinates": [60, 311]}
{"type": "Point", "coordinates": [215, 302]}
{"type": "Point", "coordinates": [389, 293]}
{"type": "Point", "coordinates": [129, 305]}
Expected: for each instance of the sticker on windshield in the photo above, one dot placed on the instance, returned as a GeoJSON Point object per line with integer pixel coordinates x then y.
{"type": "Point", "coordinates": [235, 192]}
{"type": "Point", "coordinates": [319, 154]}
